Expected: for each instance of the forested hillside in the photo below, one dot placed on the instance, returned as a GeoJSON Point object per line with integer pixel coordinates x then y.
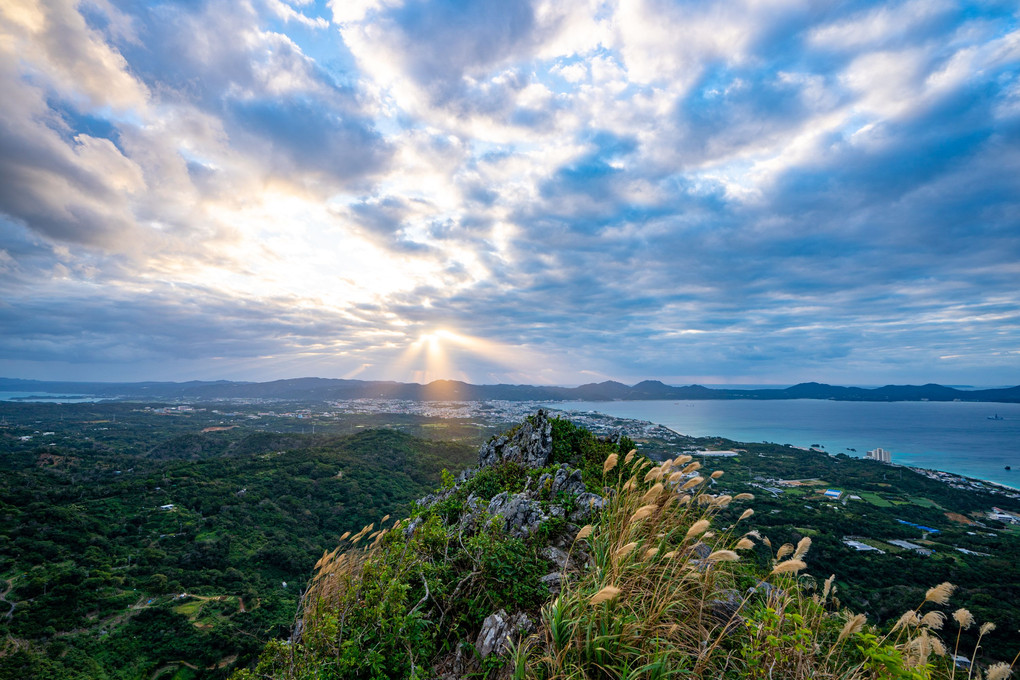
{"type": "Point", "coordinates": [182, 560]}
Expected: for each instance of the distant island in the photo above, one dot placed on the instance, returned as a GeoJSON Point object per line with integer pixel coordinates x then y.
{"type": "Point", "coordinates": [318, 389]}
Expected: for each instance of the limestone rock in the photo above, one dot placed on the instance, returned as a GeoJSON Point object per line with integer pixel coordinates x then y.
{"type": "Point", "coordinates": [471, 513]}
{"type": "Point", "coordinates": [768, 591]}
{"type": "Point", "coordinates": [558, 557]}
{"type": "Point", "coordinates": [500, 630]}
{"type": "Point", "coordinates": [530, 445]}
{"type": "Point", "coordinates": [701, 551]}
{"type": "Point", "coordinates": [553, 581]}
{"type": "Point", "coordinates": [588, 504]}
{"type": "Point", "coordinates": [522, 515]}
{"type": "Point", "coordinates": [431, 499]}
{"type": "Point", "coordinates": [724, 610]}
{"type": "Point", "coordinates": [565, 480]}
{"type": "Point", "coordinates": [564, 539]}
{"type": "Point", "coordinates": [411, 527]}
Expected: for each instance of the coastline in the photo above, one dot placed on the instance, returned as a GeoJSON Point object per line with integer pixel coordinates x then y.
{"type": "Point", "coordinates": [951, 437]}
{"type": "Point", "coordinates": [640, 427]}
{"type": "Point", "coordinates": [967, 483]}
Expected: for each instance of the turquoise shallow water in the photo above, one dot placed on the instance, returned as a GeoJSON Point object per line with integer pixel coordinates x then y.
{"type": "Point", "coordinates": [956, 437]}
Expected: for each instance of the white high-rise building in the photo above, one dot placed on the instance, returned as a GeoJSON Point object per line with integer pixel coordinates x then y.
{"type": "Point", "coordinates": [880, 454]}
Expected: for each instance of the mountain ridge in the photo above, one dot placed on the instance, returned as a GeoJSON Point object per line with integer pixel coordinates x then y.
{"type": "Point", "coordinates": [318, 389]}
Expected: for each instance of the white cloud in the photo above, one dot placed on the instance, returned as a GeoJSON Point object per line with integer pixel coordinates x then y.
{"type": "Point", "coordinates": [55, 44]}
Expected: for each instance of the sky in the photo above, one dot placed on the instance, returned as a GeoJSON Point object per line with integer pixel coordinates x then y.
{"type": "Point", "coordinates": [511, 191]}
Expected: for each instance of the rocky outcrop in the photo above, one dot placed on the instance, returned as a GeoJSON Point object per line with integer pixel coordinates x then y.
{"type": "Point", "coordinates": [565, 481]}
{"type": "Point", "coordinates": [587, 506]}
{"type": "Point", "coordinates": [557, 494]}
{"type": "Point", "coordinates": [499, 631]}
{"type": "Point", "coordinates": [530, 444]}
{"type": "Point", "coordinates": [522, 515]}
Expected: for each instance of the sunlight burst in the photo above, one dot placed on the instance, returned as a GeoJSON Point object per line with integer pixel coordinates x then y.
{"type": "Point", "coordinates": [432, 355]}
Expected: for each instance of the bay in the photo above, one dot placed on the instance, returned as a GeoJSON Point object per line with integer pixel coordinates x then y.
{"type": "Point", "coordinates": [47, 398]}
{"type": "Point", "coordinates": [956, 437]}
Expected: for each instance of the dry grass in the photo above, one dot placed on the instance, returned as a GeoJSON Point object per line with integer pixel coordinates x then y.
{"type": "Point", "coordinates": [662, 567]}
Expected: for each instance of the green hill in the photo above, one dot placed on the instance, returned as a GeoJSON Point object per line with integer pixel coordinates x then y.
{"type": "Point", "coordinates": [155, 567]}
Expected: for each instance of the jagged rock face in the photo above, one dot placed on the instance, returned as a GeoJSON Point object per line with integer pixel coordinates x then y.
{"type": "Point", "coordinates": [559, 557]}
{"type": "Point", "coordinates": [471, 514]}
{"type": "Point", "coordinates": [530, 445]}
{"type": "Point", "coordinates": [499, 631]}
{"type": "Point", "coordinates": [565, 481]}
{"type": "Point", "coordinates": [588, 505]}
{"type": "Point", "coordinates": [554, 581]}
{"type": "Point", "coordinates": [522, 515]}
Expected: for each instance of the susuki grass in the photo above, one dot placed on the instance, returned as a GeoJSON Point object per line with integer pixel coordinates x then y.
{"type": "Point", "coordinates": [666, 594]}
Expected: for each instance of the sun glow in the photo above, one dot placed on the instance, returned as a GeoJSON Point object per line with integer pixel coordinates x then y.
{"type": "Point", "coordinates": [432, 356]}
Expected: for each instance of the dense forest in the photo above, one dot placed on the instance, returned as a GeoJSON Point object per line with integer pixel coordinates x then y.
{"type": "Point", "coordinates": [179, 555]}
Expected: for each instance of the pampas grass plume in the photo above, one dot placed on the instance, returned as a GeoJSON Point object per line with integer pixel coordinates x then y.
{"type": "Point", "coordinates": [605, 595]}
{"type": "Point", "coordinates": [999, 671]}
{"type": "Point", "coordinates": [788, 566]}
{"type": "Point", "coordinates": [745, 544]}
{"type": "Point", "coordinates": [802, 548]}
{"type": "Point", "coordinates": [784, 550]}
{"type": "Point", "coordinates": [724, 556]}
{"type": "Point", "coordinates": [986, 627]}
{"type": "Point", "coordinates": [933, 620]}
{"type": "Point", "coordinates": [940, 594]}
{"type": "Point", "coordinates": [643, 512]}
{"type": "Point", "coordinates": [610, 463]}
{"type": "Point", "coordinates": [745, 514]}
{"type": "Point", "coordinates": [744, 497]}
{"type": "Point", "coordinates": [828, 586]}
{"type": "Point", "coordinates": [698, 528]}
{"type": "Point", "coordinates": [691, 483]}
{"type": "Point", "coordinates": [853, 626]}
{"type": "Point", "coordinates": [625, 550]}
{"type": "Point", "coordinates": [584, 532]}
{"type": "Point", "coordinates": [630, 455]}
{"type": "Point", "coordinates": [907, 618]}
{"type": "Point", "coordinates": [964, 619]}
{"type": "Point", "coordinates": [652, 493]}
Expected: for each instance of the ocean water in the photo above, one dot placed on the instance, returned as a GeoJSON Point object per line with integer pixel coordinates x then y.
{"type": "Point", "coordinates": [956, 437]}
{"type": "Point", "coordinates": [47, 397]}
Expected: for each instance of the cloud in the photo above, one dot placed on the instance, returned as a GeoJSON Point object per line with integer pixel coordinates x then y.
{"type": "Point", "coordinates": [644, 189]}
